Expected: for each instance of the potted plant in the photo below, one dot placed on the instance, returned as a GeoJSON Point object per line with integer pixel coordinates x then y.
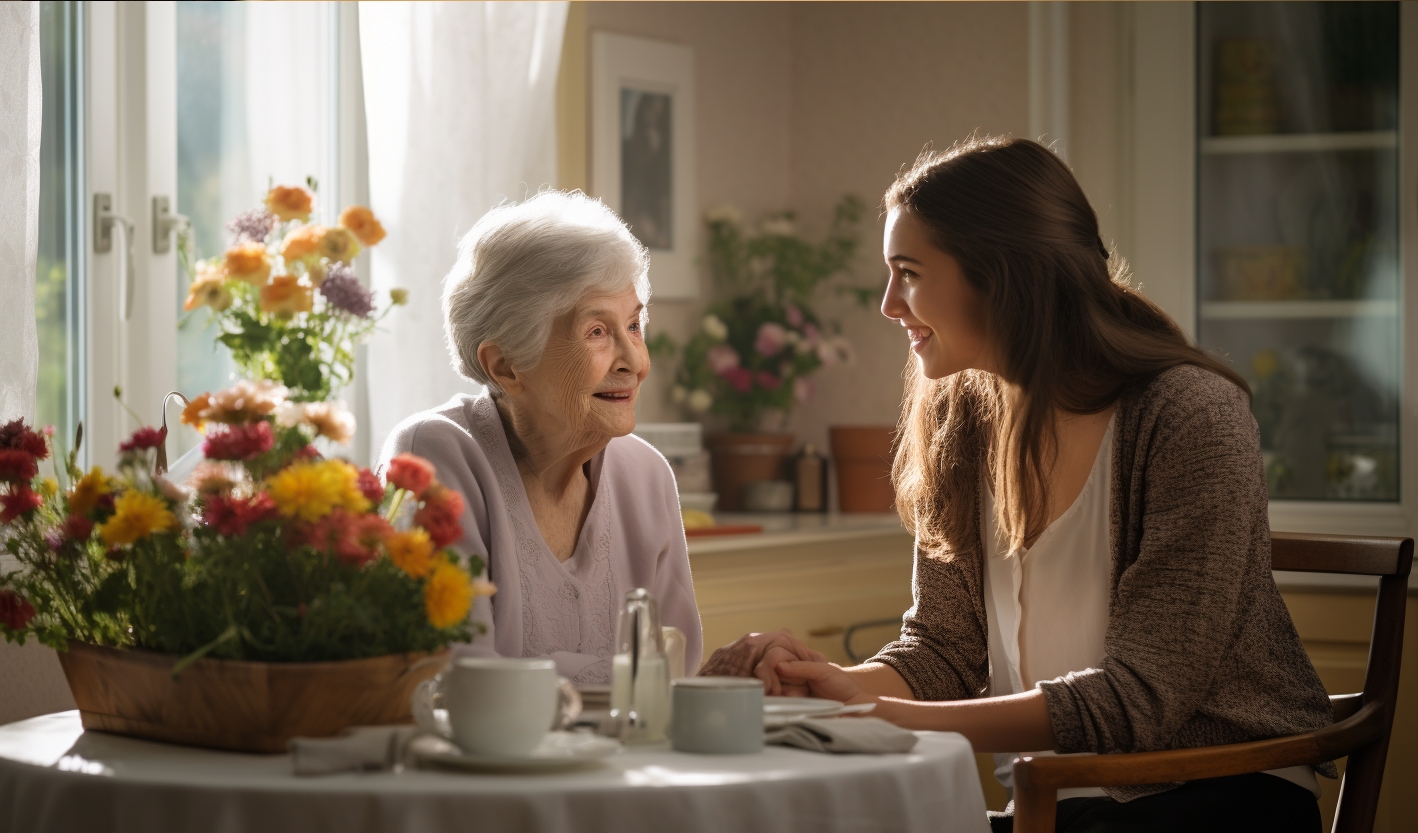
{"type": "Point", "coordinates": [761, 341]}
{"type": "Point", "coordinates": [275, 594]}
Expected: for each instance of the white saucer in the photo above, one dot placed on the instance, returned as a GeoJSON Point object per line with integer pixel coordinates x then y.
{"type": "Point", "coordinates": [558, 751]}
{"type": "Point", "coordinates": [780, 711]}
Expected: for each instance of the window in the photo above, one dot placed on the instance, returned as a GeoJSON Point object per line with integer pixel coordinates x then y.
{"type": "Point", "coordinates": [59, 267]}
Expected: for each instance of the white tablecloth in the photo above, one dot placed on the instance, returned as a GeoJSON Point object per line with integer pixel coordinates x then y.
{"type": "Point", "coordinates": [56, 777]}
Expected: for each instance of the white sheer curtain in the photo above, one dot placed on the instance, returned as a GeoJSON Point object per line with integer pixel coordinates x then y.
{"type": "Point", "coordinates": [460, 106]}
{"type": "Point", "coordinates": [21, 112]}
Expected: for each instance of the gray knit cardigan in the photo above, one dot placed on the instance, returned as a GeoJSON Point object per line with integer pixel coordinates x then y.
{"type": "Point", "coordinates": [1200, 649]}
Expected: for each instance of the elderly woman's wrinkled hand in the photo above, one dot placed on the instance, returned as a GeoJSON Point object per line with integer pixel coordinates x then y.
{"type": "Point", "coordinates": [758, 655]}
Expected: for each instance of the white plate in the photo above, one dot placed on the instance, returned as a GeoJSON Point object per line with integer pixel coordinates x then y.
{"type": "Point", "coordinates": [558, 751]}
{"type": "Point", "coordinates": [799, 706]}
{"type": "Point", "coordinates": [779, 720]}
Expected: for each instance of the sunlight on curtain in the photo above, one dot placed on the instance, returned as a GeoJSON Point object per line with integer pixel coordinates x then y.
{"type": "Point", "coordinates": [460, 105]}
{"type": "Point", "coordinates": [21, 112]}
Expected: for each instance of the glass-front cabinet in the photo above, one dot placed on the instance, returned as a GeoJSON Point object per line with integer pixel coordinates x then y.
{"type": "Point", "coordinates": [1298, 257]}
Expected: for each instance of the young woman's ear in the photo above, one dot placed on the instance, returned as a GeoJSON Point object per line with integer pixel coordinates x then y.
{"type": "Point", "coordinates": [498, 368]}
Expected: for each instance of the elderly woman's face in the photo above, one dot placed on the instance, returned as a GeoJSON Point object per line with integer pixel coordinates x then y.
{"type": "Point", "coordinates": [590, 374]}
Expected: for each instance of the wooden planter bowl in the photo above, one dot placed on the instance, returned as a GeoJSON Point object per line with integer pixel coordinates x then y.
{"type": "Point", "coordinates": [232, 704]}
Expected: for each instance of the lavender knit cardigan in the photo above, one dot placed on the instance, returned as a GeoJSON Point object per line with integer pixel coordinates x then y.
{"type": "Point", "coordinates": [1200, 649]}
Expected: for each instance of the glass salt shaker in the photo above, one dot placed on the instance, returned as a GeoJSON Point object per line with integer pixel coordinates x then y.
{"type": "Point", "coordinates": [640, 674]}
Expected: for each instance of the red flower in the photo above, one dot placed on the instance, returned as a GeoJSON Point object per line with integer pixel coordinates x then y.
{"type": "Point", "coordinates": [15, 611]}
{"type": "Point", "coordinates": [740, 377]}
{"type": "Point", "coordinates": [17, 436]}
{"type": "Point", "coordinates": [767, 380]}
{"type": "Point", "coordinates": [77, 528]}
{"type": "Point", "coordinates": [408, 471]}
{"type": "Point", "coordinates": [308, 452]}
{"type": "Point", "coordinates": [232, 515]}
{"type": "Point", "coordinates": [370, 485]}
{"type": "Point", "coordinates": [239, 442]}
{"type": "Point", "coordinates": [20, 500]}
{"type": "Point", "coordinates": [354, 539]}
{"type": "Point", "coordinates": [144, 437]}
{"type": "Point", "coordinates": [17, 466]}
{"type": "Point", "coordinates": [439, 515]}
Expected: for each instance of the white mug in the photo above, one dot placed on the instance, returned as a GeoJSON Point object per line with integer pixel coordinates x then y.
{"type": "Point", "coordinates": [717, 715]}
{"type": "Point", "coordinates": [497, 706]}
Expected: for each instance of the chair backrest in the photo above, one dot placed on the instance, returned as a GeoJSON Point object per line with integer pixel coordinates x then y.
{"type": "Point", "coordinates": [1390, 559]}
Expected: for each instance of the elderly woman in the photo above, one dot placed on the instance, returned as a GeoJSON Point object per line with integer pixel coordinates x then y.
{"type": "Point", "coordinates": [546, 308]}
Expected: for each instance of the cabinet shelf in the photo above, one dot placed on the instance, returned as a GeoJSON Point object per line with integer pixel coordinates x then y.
{"type": "Point", "coordinates": [1234, 310]}
{"type": "Point", "coordinates": [1299, 142]}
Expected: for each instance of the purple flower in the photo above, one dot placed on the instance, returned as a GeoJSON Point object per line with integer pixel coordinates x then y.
{"type": "Point", "coordinates": [252, 226]}
{"type": "Point", "coordinates": [343, 291]}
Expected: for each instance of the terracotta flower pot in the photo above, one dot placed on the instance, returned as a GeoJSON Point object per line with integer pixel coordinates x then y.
{"type": "Point", "coordinates": [862, 458]}
{"type": "Point", "coordinates": [232, 704]}
{"type": "Point", "coordinates": [739, 459]}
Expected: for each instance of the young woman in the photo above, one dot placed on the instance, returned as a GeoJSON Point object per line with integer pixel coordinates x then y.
{"type": "Point", "coordinates": [1092, 546]}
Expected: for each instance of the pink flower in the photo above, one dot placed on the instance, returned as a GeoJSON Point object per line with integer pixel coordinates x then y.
{"type": "Point", "coordinates": [794, 315]}
{"type": "Point", "coordinates": [802, 389]}
{"type": "Point", "coordinates": [771, 339]}
{"type": "Point", "coordinates": [409, 471]}
{"type": "Point", "coordinates": [810, 335]}
{"type": "Point", "coordinates": [740, 377]}
{"type": "Point", "coordinates": [835, 350]}
{"type": "Point", "coordinates": [767, 380]}
{"type": "Point", "coordinates": [239, 442]}
{"type": "Point", "coordinates": [722, 358]}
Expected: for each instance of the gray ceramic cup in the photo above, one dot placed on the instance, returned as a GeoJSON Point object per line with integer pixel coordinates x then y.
{"type": "Point", "coordinates": [717, 715]}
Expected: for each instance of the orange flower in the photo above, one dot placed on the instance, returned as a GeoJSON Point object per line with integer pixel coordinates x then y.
{"type": "Point", "coordinates": [248, 262]}
{"type": "Point", "coordinates": [285, 295]}
{"type": "Point", "coordinates": [362, 222]}
{"type": "Point", "coordinates": [339, 244]}
{"type": "Point", "coordinates": [209, 289]}
{"type": "Point", "coordinates": [192, 414]}
{"type": "Point", "coordinates": [413, 552]}
{"type": "Point", "coordinates": [302, 243]}
{"type": "Point", "coordinates": [290, 203]}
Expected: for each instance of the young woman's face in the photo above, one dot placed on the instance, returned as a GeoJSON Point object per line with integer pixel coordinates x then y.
{"type": "Point", "coordinates": [943, 314]}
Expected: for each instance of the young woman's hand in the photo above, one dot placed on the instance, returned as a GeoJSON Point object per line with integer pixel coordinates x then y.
{"type": "Point", "coordinates": [758, 655]}
{"type": "Point", "coordinates": [824, 679]}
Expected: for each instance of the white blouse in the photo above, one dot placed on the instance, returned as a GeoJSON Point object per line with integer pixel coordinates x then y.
{"type": "Point", "coordinates": [1047, 605]}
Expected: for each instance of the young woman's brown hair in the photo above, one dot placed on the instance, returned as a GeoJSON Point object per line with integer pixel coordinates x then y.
{"type": "Point", "coordinates": [1068, 333]}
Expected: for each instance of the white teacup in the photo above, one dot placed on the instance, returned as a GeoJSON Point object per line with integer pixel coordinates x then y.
{"type": "Point", "coordinates": [497, 706]}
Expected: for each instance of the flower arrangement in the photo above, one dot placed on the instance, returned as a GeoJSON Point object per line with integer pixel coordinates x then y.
{"type": "Point", "coordinates": [269, 552]}
{"type": "Point", "coordinates": [756, 348]}
{"type": "Point", "coordinates": [287, 303]}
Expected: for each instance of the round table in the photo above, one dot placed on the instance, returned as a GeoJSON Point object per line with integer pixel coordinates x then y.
{"type": "Point", "coordinates": [54, 776]}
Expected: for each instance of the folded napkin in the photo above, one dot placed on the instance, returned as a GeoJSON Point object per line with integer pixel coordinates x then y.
{"type": "Point", "coordinates": [843, 734]}
{"type": "Point", "coordinates": [354, 749]}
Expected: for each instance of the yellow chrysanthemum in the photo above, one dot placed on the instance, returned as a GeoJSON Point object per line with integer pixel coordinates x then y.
{"type": "Point", "coordinates": [312, 490]}
{"type": "Point", "coordinates": [136, 515]}
{"type": "Point", "coordinates": [447, 596]}
{"type": "Point", "coordinates": [49, 487]}
{"type": "Point", "coordinates": [412, 552]}
{"type": "Point", "coordinates": [87, 492]}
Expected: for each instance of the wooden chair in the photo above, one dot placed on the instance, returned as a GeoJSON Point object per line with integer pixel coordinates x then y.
{"type": "Point", "coordinates": [1362, 721]}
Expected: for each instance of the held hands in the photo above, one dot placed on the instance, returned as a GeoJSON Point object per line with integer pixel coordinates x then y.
{"type": "Point", "coordinates": [759, 655]}
{"type": "Point", "coordinates": [823, 679]}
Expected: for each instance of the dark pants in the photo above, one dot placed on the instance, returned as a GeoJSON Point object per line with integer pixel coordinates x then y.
{"type": "Point", "coordinates": [1242, 803]}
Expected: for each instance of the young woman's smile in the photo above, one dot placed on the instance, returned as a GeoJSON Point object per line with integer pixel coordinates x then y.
{"type": "Point", "coordinates": [928, 294]}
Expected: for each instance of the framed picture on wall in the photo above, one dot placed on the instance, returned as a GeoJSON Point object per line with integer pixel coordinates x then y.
{"type": "Point", "coordinates": [642, 151]}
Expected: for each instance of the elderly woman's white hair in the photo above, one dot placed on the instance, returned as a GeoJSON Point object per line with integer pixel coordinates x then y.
{"type": "Point", "coordinates": [523, 265]}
